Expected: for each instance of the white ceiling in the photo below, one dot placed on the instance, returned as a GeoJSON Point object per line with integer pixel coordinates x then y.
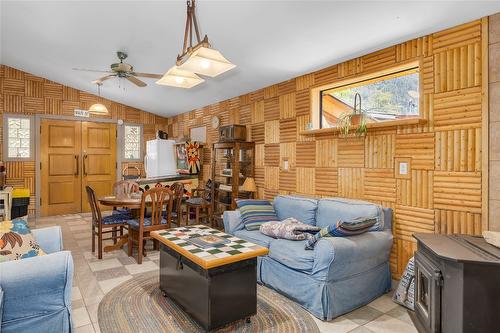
{"type": "Point", "coordinates": [269, 41]}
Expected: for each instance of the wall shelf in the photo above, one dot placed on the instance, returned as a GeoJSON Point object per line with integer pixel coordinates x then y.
{"type": "Point", "coordinates": [384, 124]}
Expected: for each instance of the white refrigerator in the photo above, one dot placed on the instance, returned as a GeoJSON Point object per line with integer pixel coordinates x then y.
{"type": "Point", "coordinates": [160, 158]}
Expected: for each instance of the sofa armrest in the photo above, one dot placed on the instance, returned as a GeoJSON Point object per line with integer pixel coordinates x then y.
{"type": "Point", "coordinates": [232, 221]}
{"type": "Point", "coordinates": [49, 239]}
{"type": "Point", "coordinates": [36, 286]}
{"type": "Point", "coordinates": [336, 258]}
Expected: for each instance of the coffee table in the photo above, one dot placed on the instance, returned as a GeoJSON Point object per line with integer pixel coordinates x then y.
{"type": "Point", "coordinates": [215, 285]}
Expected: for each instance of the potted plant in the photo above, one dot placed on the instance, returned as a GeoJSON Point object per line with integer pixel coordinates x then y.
{"type": "Point", "coordinates": [355, 120]}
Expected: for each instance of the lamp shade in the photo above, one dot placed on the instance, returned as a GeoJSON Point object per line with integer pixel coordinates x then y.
{"type": "Point", "coordinates": [206, 61]}
{"type": "Point", "coordinates": [179, 78]}
{"type": "Point", "coordinates": [98, 109]}
{"type": "Point", "coordinates": [249, 185]}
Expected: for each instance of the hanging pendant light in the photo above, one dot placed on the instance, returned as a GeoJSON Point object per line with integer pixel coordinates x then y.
{"type": "Point", "coordinates": [201, 58]}
{"type": "Point", "coordinates": [179, 78]}
{"type": "Point", "coordinates": [98, 108]}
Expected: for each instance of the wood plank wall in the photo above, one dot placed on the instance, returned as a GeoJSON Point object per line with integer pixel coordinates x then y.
{"type": "Point", "coordinates": [444, 192]}
{"type": "Point", "coordinates": [23, 93]}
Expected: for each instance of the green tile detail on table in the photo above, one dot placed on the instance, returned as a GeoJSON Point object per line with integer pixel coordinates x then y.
{"type": "Point", "coordinates": [197, 250]}
{"type": "Point", "coordinates": [233, 252]}
{"type": "Point", "coordinates": [214, 251]}
{"type": "Point", "coordinates": [237, 246]}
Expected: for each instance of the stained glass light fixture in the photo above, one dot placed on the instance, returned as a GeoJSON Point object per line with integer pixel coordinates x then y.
{"type": "Point", "coordinates": [200, 58]}
{"type": "Point", "coordinates": [98, 108]}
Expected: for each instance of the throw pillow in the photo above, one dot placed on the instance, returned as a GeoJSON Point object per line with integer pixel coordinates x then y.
{"type": "Point", "coordinates": [255, 212]}
{"type": "Point", "coordinates": [16, 240]}
{"type": "Point", "coordinates": [405, 293]}
{"type": "Point", "coordinates": [343, 229]}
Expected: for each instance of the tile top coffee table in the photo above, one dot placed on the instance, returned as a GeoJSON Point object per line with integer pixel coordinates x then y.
{"type": "Point", "coordinates": [215, 285]}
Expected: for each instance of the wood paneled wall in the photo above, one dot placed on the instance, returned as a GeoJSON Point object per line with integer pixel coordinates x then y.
{"type": "Point", "coordinates": [23, 93]}
{"type": "Point", "coordinates": [444, 192]}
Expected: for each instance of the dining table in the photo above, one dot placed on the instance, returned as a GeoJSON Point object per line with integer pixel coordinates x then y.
{"type": "Point", "coordinates": [130, 201]}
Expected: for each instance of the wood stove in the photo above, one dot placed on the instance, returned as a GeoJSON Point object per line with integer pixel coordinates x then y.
{"type": "Point", "coordinates": [457, 284]}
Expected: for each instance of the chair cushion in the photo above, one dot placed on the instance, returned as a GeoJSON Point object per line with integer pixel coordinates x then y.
{"type": "Point", "coordinates": [197, 201]}
{"type": "Point", "coordinates": [292, 254]}
{"type": "Point", "coordinates": [254, 236]}
{"type": "Point", "coordinates": [17, 241]}
{"type": "Point", "coordinates": [115, 219]}
{"type": "Point", "coordinates": [342, 229]}
{"type": "Point", "coordinates": [123, 212]}
{"type": "Point", "coordinates": [332, 210]}
{"type": "Point", "coordinates": [134, 224]}
{"type": "Point", "coordinates": [300, 208]}
{"type": "Point", "coordinates": [255, 212]}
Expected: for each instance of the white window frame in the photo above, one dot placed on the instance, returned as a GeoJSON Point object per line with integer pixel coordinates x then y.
{"type": "Point", "coordinates": [6, 157]}
{"type": "Point", "coordinates": [141, 143]}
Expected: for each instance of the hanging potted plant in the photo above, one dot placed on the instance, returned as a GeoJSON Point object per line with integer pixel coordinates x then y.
{"type": "Point", "coordinates": [353, 121]}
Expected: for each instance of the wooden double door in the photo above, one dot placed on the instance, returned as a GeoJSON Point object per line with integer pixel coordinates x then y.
{"type": "Point", "coordinates": [75, 154]}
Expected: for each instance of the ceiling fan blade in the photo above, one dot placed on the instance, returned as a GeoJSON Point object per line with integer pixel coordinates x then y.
{"type": "Point", "coordinates": [91, 70]}
{"type": "Point", "coordinates": [153, 76]}
{"type": "Point", "coordinates": [104, 78]}
{"type": "Point", "coordinates": [136, 81]}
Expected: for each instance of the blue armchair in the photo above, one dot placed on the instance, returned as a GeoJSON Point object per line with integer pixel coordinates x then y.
{"type": "Point", "coordinates": [37, 291]}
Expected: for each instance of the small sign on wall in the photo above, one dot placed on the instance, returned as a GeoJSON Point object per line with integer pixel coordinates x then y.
{"type": "Point", "coordinates": [81, 113]}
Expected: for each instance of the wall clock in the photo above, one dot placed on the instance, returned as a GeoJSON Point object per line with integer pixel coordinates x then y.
{"type": "Point", "coordinates": [215, 122]}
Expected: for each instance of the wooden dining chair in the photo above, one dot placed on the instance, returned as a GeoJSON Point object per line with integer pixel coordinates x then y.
{"type": "Point", "coordinates": [124, 188]}
{"type": "Point", "coordinates": [159, 200]}
{"type": "Point", "coordinates": [103, 225]}
{"type": "Point", "coordinates": [202, 203]}
{"type": "Point", "coordinates": [177, 189]}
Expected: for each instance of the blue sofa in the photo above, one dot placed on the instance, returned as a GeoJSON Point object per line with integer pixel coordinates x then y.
{"type": "Point", "coordinates": [341, 273]}
{"type": "Point", "coordinates": [37, 291]}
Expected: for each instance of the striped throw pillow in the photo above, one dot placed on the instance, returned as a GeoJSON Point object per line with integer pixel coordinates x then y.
{"type": "Point", "coordinates": [255, 212]}
{"type": "Point", "coordinates": [343, 229]}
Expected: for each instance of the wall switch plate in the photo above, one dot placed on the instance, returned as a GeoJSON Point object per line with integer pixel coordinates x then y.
{"type": "Point", "coordinates": [403, 168]}
{"type": "Point", "coordinates": [285, 165]}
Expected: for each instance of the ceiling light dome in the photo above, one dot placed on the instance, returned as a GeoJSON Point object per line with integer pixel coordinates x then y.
{"type": "Point", "coordinates": [98, 108]}
{"type": "Point", "coordinates": [206, 61]}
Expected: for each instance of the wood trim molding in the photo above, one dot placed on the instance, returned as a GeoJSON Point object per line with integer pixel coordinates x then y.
{"type": "Point", "coordinates": [485, 126]}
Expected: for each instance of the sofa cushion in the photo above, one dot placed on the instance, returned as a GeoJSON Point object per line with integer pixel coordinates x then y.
{"type": "Point", "coordinates": [332, 210]}
{"type": "Point", "coordinates": [255, 212]}
{"type": "Point", "coordinates": [254, 236]}
{"type": "Point", "coordinates": [292, 254]}
{"type": "Point", "coordinates": [303, 209]}
{"type": "Point", "coordinates": [16, 240]}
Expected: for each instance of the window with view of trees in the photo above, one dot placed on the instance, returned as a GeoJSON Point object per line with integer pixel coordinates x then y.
{"type": "Point", "coordinates": [389, 97]}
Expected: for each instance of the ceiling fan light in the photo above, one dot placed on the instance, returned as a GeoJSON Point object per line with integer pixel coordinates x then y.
{"type": "Point", "coordinates": [206, 61]}
{"type": "Point", "coordinates": [179, 78]}
{"type": "Point", "coordinates": [98, 109]}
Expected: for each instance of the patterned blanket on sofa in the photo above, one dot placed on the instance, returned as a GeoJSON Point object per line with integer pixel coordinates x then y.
{"type": "Point", "coordinates": [289, 228]}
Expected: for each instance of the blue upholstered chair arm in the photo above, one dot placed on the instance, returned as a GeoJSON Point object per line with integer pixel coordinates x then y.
{"type": "Point", "coordinates": [340, 257]}
{"type": "Point", "coordinates": [232, 221]}
{"type": "Point", "coordinates": [36, 286]}
{"type": "Point", "coordinates": [50, 239]}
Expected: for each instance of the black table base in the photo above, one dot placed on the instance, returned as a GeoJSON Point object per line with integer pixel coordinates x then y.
{"type": "Point", "coordinates": [213, 297]}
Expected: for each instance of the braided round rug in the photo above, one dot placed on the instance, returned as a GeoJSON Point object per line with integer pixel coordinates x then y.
{"type": "Point", "coordinates": [137, 305]}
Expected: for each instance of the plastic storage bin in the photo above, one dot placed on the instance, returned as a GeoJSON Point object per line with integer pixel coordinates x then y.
{"type": "Point", "coordinates": [20, 202]}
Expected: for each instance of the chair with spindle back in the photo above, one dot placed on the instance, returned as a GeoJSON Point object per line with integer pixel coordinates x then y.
{"type": "Point", "coordinates": [178, 190]}
{"type": "Point", "coordinates": [157, 199]}
{"type": "Point", "coordinates": [103, 225]}
{"type": "Point", "coordinates": [124, 188]}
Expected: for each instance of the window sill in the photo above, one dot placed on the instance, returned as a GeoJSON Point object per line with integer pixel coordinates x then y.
{"type": "Point", "coordinates": [384, 124]}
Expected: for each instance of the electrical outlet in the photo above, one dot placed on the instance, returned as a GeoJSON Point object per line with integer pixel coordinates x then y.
{"type": "Point", "coordinates": [285, 165]}
{"type": "Point", "coordinates": [403, 168]}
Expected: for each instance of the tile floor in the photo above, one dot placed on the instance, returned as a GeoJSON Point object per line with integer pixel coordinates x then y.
{"type": "Point", "coordinates": [93, 278]}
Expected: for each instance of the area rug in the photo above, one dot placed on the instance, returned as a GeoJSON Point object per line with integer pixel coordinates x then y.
{"type": "Point", "coordinates": [137, 305]}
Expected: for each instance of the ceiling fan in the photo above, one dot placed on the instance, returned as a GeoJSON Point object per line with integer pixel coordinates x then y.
{"type": "Point", "coordinates": [122, 70]}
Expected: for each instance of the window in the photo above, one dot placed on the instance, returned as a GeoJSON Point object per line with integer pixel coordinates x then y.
{"type": "Point", "coordinates": [386, 97]}
{"type": "Point", "coordinates": [132, 142]}
{"type": "Point", "coordinates": [19, 137]}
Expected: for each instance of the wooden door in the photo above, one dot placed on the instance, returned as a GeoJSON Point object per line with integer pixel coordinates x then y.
{"type": "Point", "coordinates": [99, 159]}
{"type": "Point", "coordinates": [60, 167]}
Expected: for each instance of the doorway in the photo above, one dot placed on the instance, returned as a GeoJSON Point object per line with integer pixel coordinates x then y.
{"type": "Point", "coordinates": [75, 154]}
